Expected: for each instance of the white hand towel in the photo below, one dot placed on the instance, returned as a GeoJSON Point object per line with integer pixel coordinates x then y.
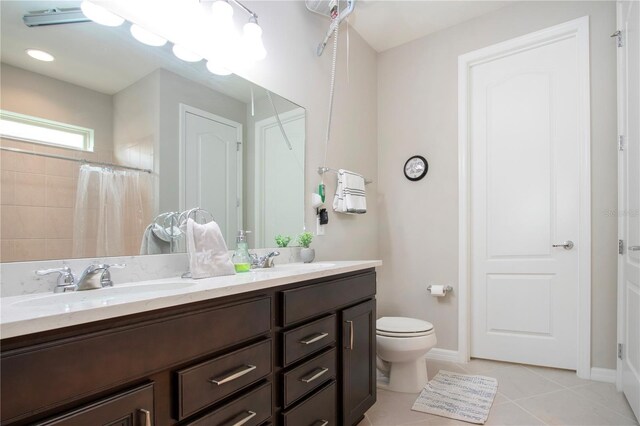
{"type": "Point", "coordinates": [208, 253]}
{"type": "Point", "coordinates": [350, 197]}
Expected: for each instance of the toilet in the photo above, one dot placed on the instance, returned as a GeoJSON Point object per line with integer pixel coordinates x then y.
{"type": "Point", "coordinates": [402, 343]}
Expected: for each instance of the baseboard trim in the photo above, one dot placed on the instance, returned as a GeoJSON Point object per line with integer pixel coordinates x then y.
{"type": "Point", "coordinates": [447, 355]}
{"type": "Point", "coordinates": [606, 375]}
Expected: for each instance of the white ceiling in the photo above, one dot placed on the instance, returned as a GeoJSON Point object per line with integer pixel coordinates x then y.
{"type": "Point", "coordinates": [390, 23]}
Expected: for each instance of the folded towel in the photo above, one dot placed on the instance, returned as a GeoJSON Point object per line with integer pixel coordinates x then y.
{"type": "Point", "coordinates": [208, 253]}
{"type": "Point", "coordinates": [350, 195]}
{"type": "Point", "coordinates": [152, 243]}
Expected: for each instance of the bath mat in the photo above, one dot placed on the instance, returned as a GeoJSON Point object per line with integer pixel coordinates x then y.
{"type": "Point", "coordinates": [458, 396]}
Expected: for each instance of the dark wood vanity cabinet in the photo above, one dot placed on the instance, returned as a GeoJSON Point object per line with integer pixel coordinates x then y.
{"type": "Point", "coordinates": [299, 354]}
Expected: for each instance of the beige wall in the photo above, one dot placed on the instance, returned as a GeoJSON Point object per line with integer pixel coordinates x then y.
{"type": "Point", "coordinates": [292, 70]}
{"type": "Point", "coordinates": [38, 194]}
{"type": "Point", "coordinates": [417, 114]}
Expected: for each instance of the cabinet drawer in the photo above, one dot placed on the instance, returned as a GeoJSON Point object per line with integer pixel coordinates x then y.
{"type": "Point", "coordinates": [318, 410]}
{"type": "Point", "coordinates": [255, 407]}
{"type": "Point", "coordinates": [313, 300]}
{"type": "Point", "coordinates": [210, 381]}
{"type": "Point", "coordinates": [305, 340]}
{"type": "Point", "coordinates": [309, 376]}
{"type": "Point", "coordinates": [131, 408]}
{"type": "Point", "coordinates": [121, 355]}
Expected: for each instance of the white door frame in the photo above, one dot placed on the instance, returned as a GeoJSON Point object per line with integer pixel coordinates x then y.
{"type": "Point", "coordinates": [182, 170]}
{"type": "Point", "coordinates": [260, 129]}
{"type": "Point", "coordinates": [578, 29]}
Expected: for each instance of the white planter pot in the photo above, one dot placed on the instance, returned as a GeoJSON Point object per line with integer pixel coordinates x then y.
{"type": "Point", "coordinates": [307, 255]}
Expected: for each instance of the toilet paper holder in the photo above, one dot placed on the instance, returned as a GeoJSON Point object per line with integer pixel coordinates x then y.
{"type": "Point", "coordinates": [447, 289]}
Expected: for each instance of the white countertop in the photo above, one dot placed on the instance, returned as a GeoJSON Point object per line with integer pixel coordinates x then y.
{"type": "Point", "coordinates": [26, 314]}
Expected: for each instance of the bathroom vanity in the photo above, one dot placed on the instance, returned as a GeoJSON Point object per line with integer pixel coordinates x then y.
{"type": "Point", "coordinates": [282, 348]}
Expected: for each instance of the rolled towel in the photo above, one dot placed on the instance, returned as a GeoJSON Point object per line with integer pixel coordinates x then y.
{"type": "Point", "coordinates": [208, 253]}
{"type": "Point", "coordinates": [351, 197]}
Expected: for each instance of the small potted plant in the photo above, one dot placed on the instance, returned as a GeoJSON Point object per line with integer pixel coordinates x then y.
{"type": "Point", "coordinates": [306, 254]}
{"type": "Point", "coordinates": [283, 240]}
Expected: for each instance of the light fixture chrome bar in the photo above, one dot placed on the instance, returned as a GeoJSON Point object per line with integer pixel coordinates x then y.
{"type": "Point", "coordinates": [245, 8]}
{"type": "Point", "coordinates": [76, 160]}
{"type": "Point", "coordinates": [55, 16]}
{"type": "Point", "coordinates": [323, 170]}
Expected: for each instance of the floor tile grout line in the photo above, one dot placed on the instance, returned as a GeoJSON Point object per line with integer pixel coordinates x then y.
{"type": "Point", "coordinates": [544, 377]}
{"type": "Point", "coordinates": [602, 405]}
{"type": "Point", "coordinates": [530, 413]}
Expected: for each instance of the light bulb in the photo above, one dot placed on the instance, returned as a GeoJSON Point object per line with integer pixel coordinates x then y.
{"type": "Point", "coordinates": [221, 11]}
{"type": "Point", "coordinates": [252, 41]}
{"type": "Point", "coordinates": [185, 54]}
{"type": "Point", "coordinates": [40, 55]}
{"type": "Point", "coordinates": [216, 68]}
{"type": "Point", "coordinates": [146, 36]}
{"type": "Point", "coordinates": [100, 15]}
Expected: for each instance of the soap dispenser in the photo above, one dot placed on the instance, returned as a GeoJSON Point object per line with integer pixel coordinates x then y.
{"type": "Point", "coordinates": [241, 258]}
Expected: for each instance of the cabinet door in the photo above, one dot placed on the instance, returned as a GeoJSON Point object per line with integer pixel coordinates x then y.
{"type": "Point", "coordinates": [358, 361]}
{"type": "Point", "coordinates": [131, 408]}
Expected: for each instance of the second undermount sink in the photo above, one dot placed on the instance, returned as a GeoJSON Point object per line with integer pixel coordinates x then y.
{"type": "Point", "coordinates": [103, 296]}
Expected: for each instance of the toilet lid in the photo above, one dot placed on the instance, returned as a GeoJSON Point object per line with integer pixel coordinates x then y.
{"type": "Point", "coordinates": [401, 325]}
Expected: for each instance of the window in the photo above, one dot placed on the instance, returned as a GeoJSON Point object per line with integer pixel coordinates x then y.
{"type": "Point", "coordinates": [39, 130]}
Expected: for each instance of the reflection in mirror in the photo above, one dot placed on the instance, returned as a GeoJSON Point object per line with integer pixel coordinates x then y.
{"type": "Point", "coordinates": [103, 143]}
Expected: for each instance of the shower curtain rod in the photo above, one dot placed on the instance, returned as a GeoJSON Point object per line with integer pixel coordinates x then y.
{"type": "Point", "coordinates": [77, 160]}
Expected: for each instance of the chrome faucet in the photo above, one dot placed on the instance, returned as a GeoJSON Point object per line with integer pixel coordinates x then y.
{"type": "Point", "coordinates": [66, 280]}
{"type": "Point", "coordinates": [93, 277]}
{"type": "Point", "coordinates": [266, 261]}
{"type": "Point", "coordinates": [96, 276]}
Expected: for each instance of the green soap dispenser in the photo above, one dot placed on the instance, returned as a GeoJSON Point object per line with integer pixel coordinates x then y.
{"type": "Point", "coordinates": [241, 258]}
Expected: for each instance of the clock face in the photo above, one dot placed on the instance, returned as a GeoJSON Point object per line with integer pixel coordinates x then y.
{"type": "Point", "coordinates": [416, 168]}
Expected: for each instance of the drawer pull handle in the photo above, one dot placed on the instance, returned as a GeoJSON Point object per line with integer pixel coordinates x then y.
{"type": "Point", "coordinates": [147, 416]}
{"type": "Point", "coordinates": [313, 338]}
{"type": "Point", "coordinates": [244, 419]}
{"type": "Point", "coordinates": [317, 373]}
{"type": "Point", "coordinates": [237, 373]}
{"type": "Point", "coordinates": [321, 423]}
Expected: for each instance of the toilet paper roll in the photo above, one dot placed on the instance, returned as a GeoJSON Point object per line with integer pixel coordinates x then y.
{"type": "Point", "coordinates": [437, 290]}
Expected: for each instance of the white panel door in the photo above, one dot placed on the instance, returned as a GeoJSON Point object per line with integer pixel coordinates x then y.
{"type": "Point", "coordinates": [277, 167]}
{"type": "Point", "coordinates": [629, 200]}
{"type": "Point", "coordinates": [525, 197]}
{"type": "Point", "coordinates": [212, 168]}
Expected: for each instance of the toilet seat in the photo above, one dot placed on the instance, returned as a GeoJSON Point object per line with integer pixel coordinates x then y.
{"type": "Point", "coordinates": [403, 327]}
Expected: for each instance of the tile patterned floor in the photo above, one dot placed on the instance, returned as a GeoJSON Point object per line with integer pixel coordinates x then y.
{"type": "Point", "coordinates": [527, 395]}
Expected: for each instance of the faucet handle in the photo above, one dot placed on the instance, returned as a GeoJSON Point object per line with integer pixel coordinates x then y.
{"type": "Point", "coordinates": [105, 279]}
{"type": "Point", "coordinates": [66, 280]}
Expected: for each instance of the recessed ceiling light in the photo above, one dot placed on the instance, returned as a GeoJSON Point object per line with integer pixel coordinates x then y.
{"type": "Point", "coordinates": [217, 68]}
{"type": "Point", "coordinates": [146, 36]}
{"type": "Point", "coordinates": [100, 15]}
{"type": "Point", "coordinates": [40, 55]}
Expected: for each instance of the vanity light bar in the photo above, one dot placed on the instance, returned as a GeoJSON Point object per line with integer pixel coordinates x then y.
{"type": "Point", "coordinates": [55, 16]}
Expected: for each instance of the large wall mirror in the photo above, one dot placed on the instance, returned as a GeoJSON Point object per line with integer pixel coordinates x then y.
{"type": "Point", "coordinates": [158, 134]}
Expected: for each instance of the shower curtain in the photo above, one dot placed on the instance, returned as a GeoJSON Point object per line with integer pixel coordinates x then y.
{"type": "Point", "coordinates": [112, 210]}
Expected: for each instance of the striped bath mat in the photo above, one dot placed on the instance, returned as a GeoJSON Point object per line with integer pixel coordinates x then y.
{"type": "Point", "coordinates": [458, 396]}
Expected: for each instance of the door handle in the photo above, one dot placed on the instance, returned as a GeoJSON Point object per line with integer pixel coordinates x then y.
{"type": "Point", "coordinates": [147, 416]}
{"type": "Point", "coordinates": [634, 248]}
{"type": "Point", "coordinates": [567, 245]}
{"type": "Point", "coordinates": [350, 334]}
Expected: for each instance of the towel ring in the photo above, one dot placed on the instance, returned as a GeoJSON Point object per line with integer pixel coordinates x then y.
{"type": "Point", "coordinates": [193, 213]}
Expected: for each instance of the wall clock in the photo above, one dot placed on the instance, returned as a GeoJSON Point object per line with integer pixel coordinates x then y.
{"type": "Point", "coordinates": [416, 168]}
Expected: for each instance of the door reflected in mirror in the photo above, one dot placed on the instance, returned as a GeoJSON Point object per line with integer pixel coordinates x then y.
{"type": "Point", "coordinates": [166, 136]}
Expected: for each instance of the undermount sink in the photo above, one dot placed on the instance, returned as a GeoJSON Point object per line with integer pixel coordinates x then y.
{"type": "Point", "coordinates": [103, 296]}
